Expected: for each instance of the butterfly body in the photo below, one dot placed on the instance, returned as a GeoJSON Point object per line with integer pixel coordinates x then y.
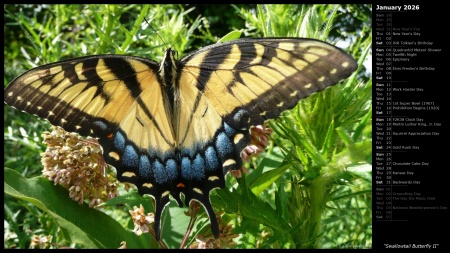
{"type": "Point", "coordinates": [179, 126]}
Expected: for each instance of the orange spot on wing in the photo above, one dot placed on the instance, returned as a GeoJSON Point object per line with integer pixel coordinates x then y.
{"type": "Point", "coordinates": [180, 185]}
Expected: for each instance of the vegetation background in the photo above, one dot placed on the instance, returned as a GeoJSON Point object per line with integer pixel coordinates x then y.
{"type": "Point", "coordinates": [310, 189]}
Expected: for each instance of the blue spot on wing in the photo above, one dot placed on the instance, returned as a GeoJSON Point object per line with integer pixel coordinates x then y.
{"type": "Point", "coordinates": [158, 170]}
{"type": "Point", "coordinates": [211, 159]}
{"type": "Point", "coordinates": [223, 145]}
{"type": "Point", "coordinates": [102, 126]}
{"type": "Point", "coordinates": [230, 131]}
{"type": "Point", "coordinates": [172, 169]}
{"type": "Point", "coordinates": [119, 142]}
{"type": "Point", "coordinates": [186, 168]}
{"type": "Point", "coordinates": [144, 167]}
{"type": "Point", "coordinates": [130, 157]}
{"type": "Point", "coordinates": [198, 167]}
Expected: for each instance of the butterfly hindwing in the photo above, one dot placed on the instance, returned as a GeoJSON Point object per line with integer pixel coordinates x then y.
{"type": "Point", "coordinates": [208, 146]}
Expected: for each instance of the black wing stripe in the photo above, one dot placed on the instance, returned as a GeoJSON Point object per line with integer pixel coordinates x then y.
{"type": "Point", "coordinates": [212, 61]}
{"type": "Point", "coordinates": [89, 72]}
{"type": "Point", "coordinates": [124, 71]}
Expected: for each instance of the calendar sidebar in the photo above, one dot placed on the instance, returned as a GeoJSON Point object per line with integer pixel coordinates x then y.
{"type": "Point", "coordinates": [410, 140]}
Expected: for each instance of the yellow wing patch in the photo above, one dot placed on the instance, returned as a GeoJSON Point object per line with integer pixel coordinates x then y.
{"type": "Point", "coordinates": [198, 119]}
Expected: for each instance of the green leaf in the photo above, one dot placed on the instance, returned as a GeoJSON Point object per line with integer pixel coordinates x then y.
{"type": "Point", "coordinates": [267, 179]}
{"type": "Point", "coordinates": [79, 223]}
{"type": "Point", "coordinates": [234, 35]}
{"type": "Point", "coordinates": [173, 224]}
{"type": "Point", "coordinates": [252, 207]}
{"type": "Point", "coordinates": [271, 169]}
{"type": "Point", "coordinates": [225, 199]}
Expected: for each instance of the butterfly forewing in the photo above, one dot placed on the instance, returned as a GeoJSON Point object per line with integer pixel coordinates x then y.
{"type": "Point", "coordinates": [266, 76]}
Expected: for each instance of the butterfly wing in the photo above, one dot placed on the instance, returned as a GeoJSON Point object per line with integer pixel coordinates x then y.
{"type": "Point", "coordinates": [265, 77]}
{"type": "Point", "coordinates": [117, 99]}
{"type": "Point", "coordinates": [226, 88]}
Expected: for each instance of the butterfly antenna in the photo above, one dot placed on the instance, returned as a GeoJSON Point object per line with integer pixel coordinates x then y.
{"type": "Point", "coordinates": [156, 32]}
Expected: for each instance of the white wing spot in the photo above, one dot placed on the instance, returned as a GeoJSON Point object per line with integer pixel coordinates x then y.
{"type": "Point", "coordinates": [263, 113]}
{"type": "Point", "coordinates": [115, 156]}
{"type": "Point", "coordinates": [39, 108]}
{"type": "Point", "coordinates": [229, 162]}
{"type": "Point", "coordinates": [165, 194]}
{"type": "Point", "coordinates": [345, 64]}
{"type": "Point", "coordinates": [50, 113]}
{"type": "Point", "coordinates": [128, 174]}
{"type": "Point", "coordinates": [198, 191]}
{"type": "Point", "coordinates": [147, 185]}
{"type": "Point", "coordinates": [293, 94]}
{"type": "Point", "coordinates": [237, 138]}
{"type": "Point", "coordinates": [63, 121]}
{"type": "Point", "coordinates": [280, 104]}
{"type": "Point", "coordinates": [308, 86]}
{"type": "Point", "coordinates": [321, 79]}
{"type": "Point", "coordinates": [213, 178]}
{"type": "Point", "coordinates": [333, 71]}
